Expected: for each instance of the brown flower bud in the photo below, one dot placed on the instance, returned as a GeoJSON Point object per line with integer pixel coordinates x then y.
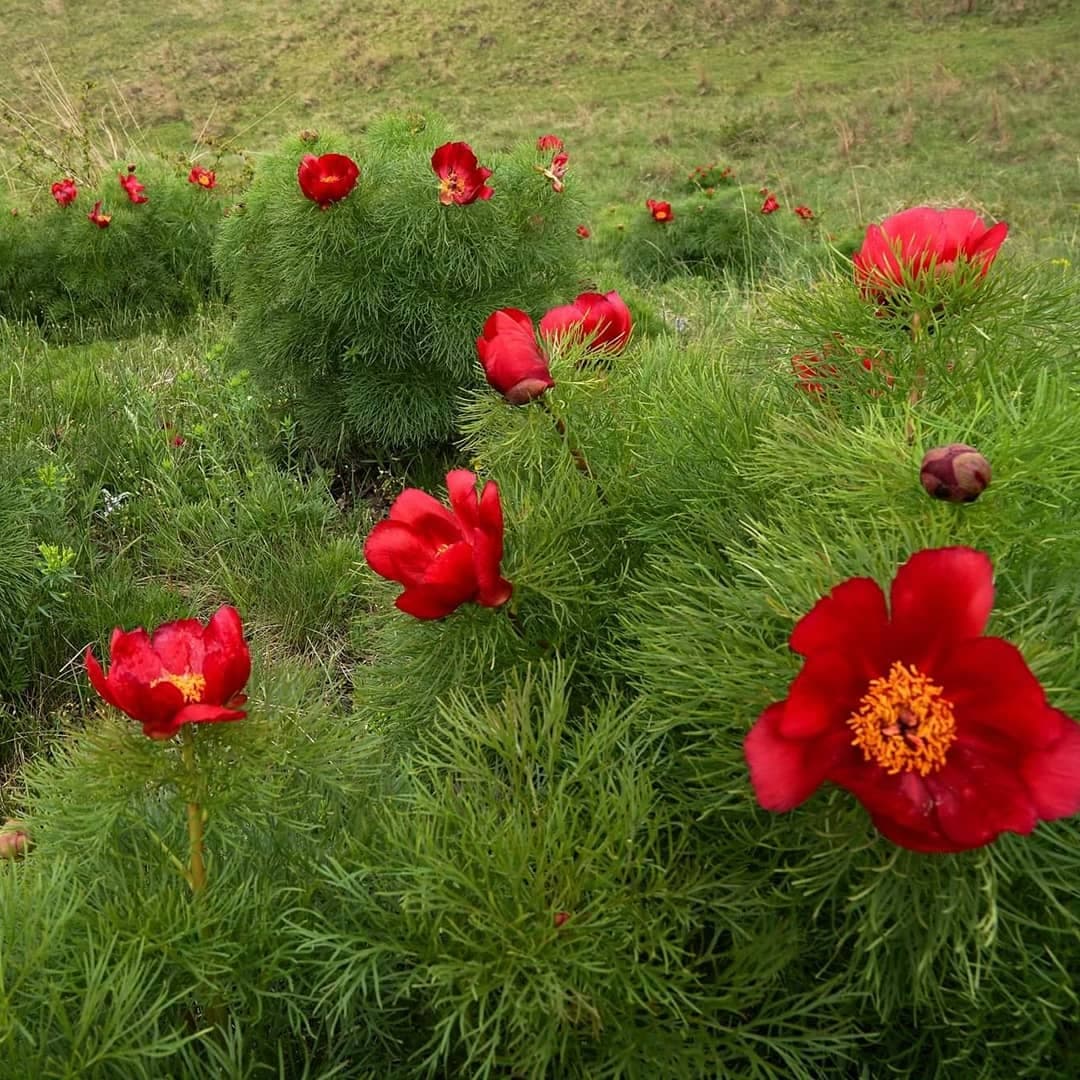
{"type": "Point", "coordinates": [957, 472]}
{"type": "Point", "coordinates": [307, 135]}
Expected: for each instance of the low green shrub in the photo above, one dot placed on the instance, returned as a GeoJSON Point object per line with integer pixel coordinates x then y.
{"type": "Point", "coordinates": [366, 313]}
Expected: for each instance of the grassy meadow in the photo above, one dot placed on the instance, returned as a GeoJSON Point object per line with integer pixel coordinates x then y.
{"type": "Point", "coordinates": [519, 847]}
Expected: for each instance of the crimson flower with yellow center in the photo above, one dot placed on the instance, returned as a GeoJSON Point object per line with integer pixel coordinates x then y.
{"type": "Point", "coordinates": [327, 179]}
{"type": "Point", "coordinates": [204, 178]}
{"type": "Point", "coordinates": [943, 734]}
{"type": "Point", "coordinates": [461, 179]}
{"type": "Point", "coordinates": [183, 673]}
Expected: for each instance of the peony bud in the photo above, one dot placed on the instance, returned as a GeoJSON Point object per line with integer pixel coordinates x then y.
{"type": "Point", "coordinates": [13, 840]}
{"type": "Point", "coordinates": [956, 472]}
{"type": "Point", "coordinates": [561, 918]}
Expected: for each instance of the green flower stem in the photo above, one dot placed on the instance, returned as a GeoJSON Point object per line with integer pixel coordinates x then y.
{"type": "Point", "coordinates": [196, 873]}
{"type": "Point", "coordinates": [579, 458]}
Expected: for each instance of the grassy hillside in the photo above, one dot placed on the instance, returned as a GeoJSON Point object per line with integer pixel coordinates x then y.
{"type": "Point", "coordinates": [852, 107]}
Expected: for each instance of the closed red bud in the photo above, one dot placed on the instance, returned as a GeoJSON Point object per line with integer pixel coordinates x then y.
{"type": "Point", "coordinates": [561, 917]}
{"type": "Point", "coordinates": [957, 472]}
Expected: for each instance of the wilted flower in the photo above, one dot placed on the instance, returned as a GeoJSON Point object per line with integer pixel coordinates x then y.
{"type": "Point", "coordinates": [184, 673]}
{"type": "Point", "coordinates": [661, 211]}
{"type": "Point", "coordinates": [957, 472]}
{"type": "Point", "coordinates": [922, 241]}
{"type": "Point", "coordinates": [327, 179]}
{"type": "Point", "coordinates": [98, 218]}
{"type": "Point", "coordinates": [461, 179]}
{"type": "Point", "coordinates": [444, 557]}
{"type": "Point", "coordinates": [130, 183]}
{"type": "Point", "coordinates": [205, 178]}
{"type": "Point", "coordinates": [557, 170]}
{"type": "Point", "coordinates": [511, 358]}
{"type": "Point", "coordinates": [64, 191]}
{"type": "Point", "coordinates": [602, 319]}
{"type": "Point", "coordinates": [804, 212]}
{"type": "Point", "coordinates": [944, 735]}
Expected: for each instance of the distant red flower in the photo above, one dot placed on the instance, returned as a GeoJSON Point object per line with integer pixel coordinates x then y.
{"type": "Point", "coordinates": [205, 178]}
{"type": "Point", "coordinates": [98, 218]}
{"type": "Point", "coordinates": [914, 243]}
{"type": "Point", "coordinates": [583, 232]}
{"type": "Point", "coordinates": [178, 440]}
{"type": "Point", "coordinates": [130, 183]}
{"type": "Point", "coordinates": [560, 919]}
{"type": "Point", "coordinates": [804, 212]}
{"type": "Point", "coordinates": [14, 839]}
{"type": "Point", "coordinates": [549, 142]}
{"type": "Point", "coordinates": [443, 557]}
{"type": "Point", "coordinates": [557, 170]}
{"type": "Point", "coordinates": [64, 191]}
{"type": "Point", "coordinates": [461, 179]}
{"type": "Point", "coordinates": [327, 179]}
{"type": "Point", "coordinates": [184, 673]}
{"type": "Point", "coordinates": [944, 735]}
{"type": "Point", "coordinates": [511, 357]}
{"type": "Point", "coordinates": [602, 317]}
{"type": "Point", "coordinates": [770, 205]}
{"type": "Point", "coordinates": [815, 367]}
{"type": "Point", "coordinates": [661, 211]}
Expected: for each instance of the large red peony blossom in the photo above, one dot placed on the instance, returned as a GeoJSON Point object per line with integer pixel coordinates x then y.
{"type": "Point", "coordinates": [64, 191]}
{"type": "Point", "coordinates": [603, 319]}
{"type": "Point", "coordinates": [921, 241]}
{"type": "Point", "coordinates": [511, 357]}
{"type": "Point", "coordinates": [183, 673]}
{"type": "Point", "coordinates": [444, 558]}
{"type": "Point", "coordinates": [327, 179]}
{"type": "Point", "coordinates": [944, 735]}
{"type": "Point", "coordinates": [204, 178]}
{"type": "Point", "coordinates": [133, 188]}
{"type": "Point", "coordinates": [461, 179]}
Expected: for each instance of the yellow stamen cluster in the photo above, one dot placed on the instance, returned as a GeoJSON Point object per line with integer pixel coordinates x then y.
{"type": "Point", "coordinates": [190, 685]}
{"type": "Point", "coordinates": [903, 723]}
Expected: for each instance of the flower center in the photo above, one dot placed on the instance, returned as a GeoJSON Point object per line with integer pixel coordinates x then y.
{"type": "Point", "coordinates": [329, 178]}
{"type": "Point", "coordinates": [903, 722]}
{"type": "Point", "coordinates": [191, 686]}
{"type": "Point", "coordinates": [204, 180]}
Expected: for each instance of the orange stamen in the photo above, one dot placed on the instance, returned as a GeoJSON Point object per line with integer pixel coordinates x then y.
{"type": "Point", "coordinates": [190, 685]}
{"type": "Point", "coordinates": [903, 723]}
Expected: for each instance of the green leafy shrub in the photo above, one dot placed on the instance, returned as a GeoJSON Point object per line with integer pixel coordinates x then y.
{"type": "Point", "coordinates": [367, 313]}
{"type": "Point", "coordinates": [152, 261]}
{"type": "Point", "coordinates": [724, 233]}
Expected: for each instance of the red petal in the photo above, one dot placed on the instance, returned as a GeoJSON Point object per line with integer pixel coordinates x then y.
{"type": "Point", "coordinates": [461, 487]}
{"type": "Point", "coordinates": [850, 618]}
{"type": "Point", "coordinates": [426, 515]}
{"type": "Point", "coordinates": [227, 664]}
{"type": "Point", "coordinates": [1052, 775]}
{"type": "Point", "coordinates": [823, 695]}
{"type": "Point", "coordinates": [205, 714]}
{"type": "Point", "coordinates": [938, 596]}
{"type": "Point", "coordinates": [179, 645]}
{"type": "Point", "coordinates": [976, 798]}
{"type": "Point", "coordinates": [991, 687]}
{"type": "Point", "coordinates": [493, 590]}
{"type": "Point", "coordinates": [785, 772]}
{"type": "Point", "coordinates": [98, 680]}
{"type": "Point", "coordinates": [395, 551]}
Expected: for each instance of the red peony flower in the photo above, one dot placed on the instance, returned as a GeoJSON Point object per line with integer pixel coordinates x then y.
{"type": "Point", "coordinates": [583, 232]}
{"type": "Point", "coordinates": [921, 241]}
{"type": "Point", "coordinates": [327, 179]}
{"type": "Point", "coordinates": [511, 358]}
{"type": "Point", "coordinates": [556, 171]}
{"type": "Point", "coordinates": [770, 205]}
{"type": "Point", "coordinates": [444, 558]}
{"type": "Point", "coordinates": [804, 212]}
{"type": "Point", "coordinates": [661, 211]}
{"type": "Point", "coordinates": [130, 183]}
{"type": "Point", "coordinates": [601, 319]}
{"type": "Point", "coordinates": [184, 673]}
{"type": "Point", "coordinates": [461, 180]}
{"type": "Point", "coordinates": [205, 178]}
{"type": "Point", "coordinates": [944, 735]}
{"type": "Point", "coordinates": [64, 191]}
{"type": "Point", "coordinates": [549, 142]}
{"type": "Point", "coordinates": [98, 218]}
